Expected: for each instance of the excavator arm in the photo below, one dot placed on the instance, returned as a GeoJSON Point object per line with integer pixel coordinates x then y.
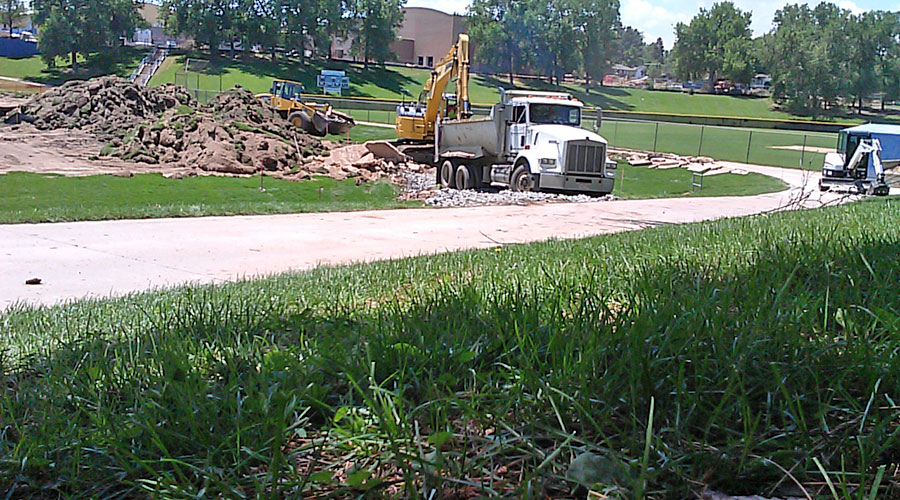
{"type": "Point", "coordinates": [454, 65]}
{"type": "Point", "coordinates": [417, 121]}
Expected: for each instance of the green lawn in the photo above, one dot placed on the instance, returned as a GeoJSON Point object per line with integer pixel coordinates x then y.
{"type": "Point", "coordinates": [49, 198]}
{"type": "Point", "coordinates": [650, 364]}
{"type": "Point", "coordinates": [36, 70]}
{"type": "Point", "coordinates": [766, 147]}
{"type": "Point", "coordinates": [643, 182]}
{"type": "Point", "coordinates": [256, 74]}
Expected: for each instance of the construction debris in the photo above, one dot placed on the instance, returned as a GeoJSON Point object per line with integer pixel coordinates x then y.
{"type": "Point", "coordinates": [666, 161]}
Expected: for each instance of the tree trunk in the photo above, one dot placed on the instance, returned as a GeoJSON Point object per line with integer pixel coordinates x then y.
{"type": "Point", "coordinates": [74, 58]}
{"type": "Point", "coordinates": [512, 65]}
{"type": "Point", "coordinates": [859, 105]}
{"type": "Point", "coordinates": [274, 54]}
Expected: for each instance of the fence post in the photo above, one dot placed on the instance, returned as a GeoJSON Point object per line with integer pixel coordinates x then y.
{"type": "Point", "coordinates": [749, 141]}
{"type": "Point", "coordinates": [700, 145]}
{"type": "Point", "coordinates": [655, 136]}
{"type": "Point", "coordinates": [803, 152]}
{"type": "Point", "coordinates": [615, 132]}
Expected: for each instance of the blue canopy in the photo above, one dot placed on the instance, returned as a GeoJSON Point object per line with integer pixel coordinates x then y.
{"type": "Point", "coordinates": [888, 135]}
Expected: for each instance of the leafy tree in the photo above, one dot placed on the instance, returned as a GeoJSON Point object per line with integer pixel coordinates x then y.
{"type": "Point", "coordinates": [496, 27]}
{"type": "Point", "coordinates": [11, 11]}
{"type": "Point", "coordinates": [86, 26]}
{"type": "Point", "coordinates": [630, 45]}
{"type": "Point", "coordinates": [375, 26]}
{"type": "Point", "coordinates": [713, 43]}
{"type": "Point", "coordinates": [598, 20]}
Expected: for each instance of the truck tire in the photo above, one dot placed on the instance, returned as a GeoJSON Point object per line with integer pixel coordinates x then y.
{"type": "Point", "coordinates": [521, 179]}
{"type": "Point", "coordinates": [447, 174]}
{"type": "Point", "coordinates": [465, 177]}
{"type": "Point", "coordinates": [300, 120]}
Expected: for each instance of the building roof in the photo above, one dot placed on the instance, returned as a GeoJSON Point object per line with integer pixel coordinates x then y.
{"type": "Point", "coordinates": [875, 128]}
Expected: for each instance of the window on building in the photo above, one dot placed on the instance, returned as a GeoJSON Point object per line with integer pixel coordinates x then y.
{"type": "Point", "coordinates": [421, 61]}
{"type": "Point", "coordinates": [430, 61]}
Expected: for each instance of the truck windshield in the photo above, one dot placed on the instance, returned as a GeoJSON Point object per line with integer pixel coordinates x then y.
{"type": "Point", "coordinates": [556, 114]}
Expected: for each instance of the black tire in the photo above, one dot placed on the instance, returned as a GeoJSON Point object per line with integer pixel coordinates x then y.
{"type": "Point", "coordinates": [823, 187]}
{"type": "Point", "coordinates": [465, 177]}
{"type": "Point", "coordinates": [521, 179]}
{"type": "Point", "coordinates": [447, 174]}
{"type": "Point", "coordinates": [300, 120]}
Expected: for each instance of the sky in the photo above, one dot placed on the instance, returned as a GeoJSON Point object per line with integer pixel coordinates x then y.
{"type": "Point", "coordinates": [657, 18]}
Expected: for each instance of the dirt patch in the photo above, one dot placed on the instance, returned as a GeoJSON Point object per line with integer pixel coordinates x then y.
{"type": "Point", "coordinates": [800, 147]}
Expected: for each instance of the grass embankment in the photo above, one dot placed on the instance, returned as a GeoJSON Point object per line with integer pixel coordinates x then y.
{"type": "Point", "coordinates": [755, 346]}
{"type": "Point", "coordinates": [36, 70]}
{"type": "Point", "coordinates": [256, 74]}
{"type": "Point", "coordinates": [50, 198]}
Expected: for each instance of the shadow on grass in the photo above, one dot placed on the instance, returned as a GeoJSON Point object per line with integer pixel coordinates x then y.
{"type": "Point", "coordinates": [763, 352]}
{"type": "Point", "coordinates": [120, 62]}
{"type": "Point", "coordinates": [604, 97]}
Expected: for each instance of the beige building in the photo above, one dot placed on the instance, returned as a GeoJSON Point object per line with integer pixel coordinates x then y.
{"type": "Point", "coordinates": [422, 40]}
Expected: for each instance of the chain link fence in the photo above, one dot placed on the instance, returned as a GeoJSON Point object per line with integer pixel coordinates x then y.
{"type": "Point", "coordinates": [204, 87]}
{"type": "Point", "coordinates": [780, 148]}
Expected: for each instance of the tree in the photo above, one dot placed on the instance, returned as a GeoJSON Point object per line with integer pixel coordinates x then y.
{"type": "Point", "coordinates": [11, 11]}
{"type": "Point", "coordinates": [598, 19]}
{"type": "Point", "coordinates": [496, 29]}
{"type": "Point", "coordinates": [630, 46]}
{"type": "Point", "coordinates": [711, 44]}
{"type": "Point", "coordinates": [86, 26]}
{"type": "Point", "coordinates": [375, 24]}
{"type": "Point", "coordinates": [208, 22]}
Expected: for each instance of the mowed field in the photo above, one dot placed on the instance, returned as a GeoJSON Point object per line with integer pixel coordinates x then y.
{"type": "Point", "coordinates": [390, 82]}
{"type": "Point", "coordinates": [747, 356]}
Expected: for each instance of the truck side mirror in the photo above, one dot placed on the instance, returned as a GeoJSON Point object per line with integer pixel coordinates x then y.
{"type": "Point", "coordinates": [599, 121]}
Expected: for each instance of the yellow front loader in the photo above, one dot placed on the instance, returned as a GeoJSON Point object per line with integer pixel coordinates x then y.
{"type": "Point", "coordinates": [315, 118]}
{"type": "Point", "coordinates": [415, 121]}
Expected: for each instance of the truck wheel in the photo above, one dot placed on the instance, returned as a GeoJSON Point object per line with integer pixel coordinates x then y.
{"type": "Point", "coordinates": [446, 174]}
{"type": "Point", "coordinates": [465, 177]}
{"type": "Point", "coordinates": [522, 180]}
{"type": "Point", "coordinates": [300, 120]}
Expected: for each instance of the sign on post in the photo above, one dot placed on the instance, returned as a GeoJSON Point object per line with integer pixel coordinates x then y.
{"type": "Point", "coordinates": [332, 81]}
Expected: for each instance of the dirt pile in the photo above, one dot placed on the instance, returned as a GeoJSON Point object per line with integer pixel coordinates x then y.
{"type": "Point", "coordinates": [367, 162]}
{"type": "Point", "coordinates": [234, 134]}
{"type": "Point", "coordinates": [105, 105]}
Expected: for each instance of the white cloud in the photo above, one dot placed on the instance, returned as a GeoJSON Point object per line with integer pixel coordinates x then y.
{"type": "Point", "coordinates": [655, 21]}
{"type": "Point", "coordinates": [849, 5]}
{"type": "Point", "coordinates": [450, 6]}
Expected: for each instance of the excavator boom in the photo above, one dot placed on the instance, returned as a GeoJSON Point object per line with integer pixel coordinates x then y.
{"type": "Point", "coordinates": [416, 120]}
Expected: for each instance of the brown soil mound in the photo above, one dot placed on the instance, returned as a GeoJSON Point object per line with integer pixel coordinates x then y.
{"type": "Point", "coordinates": [234, 134]}
{"type": "Point", "coordinates": [106, 105]}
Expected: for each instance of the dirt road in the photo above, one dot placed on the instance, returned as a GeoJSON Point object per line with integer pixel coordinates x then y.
{"type": "Point", "coordinates": [95, 259]}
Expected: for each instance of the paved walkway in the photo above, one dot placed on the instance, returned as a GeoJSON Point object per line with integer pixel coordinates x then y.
{"type": "Point", "coordinates": [82, 259]}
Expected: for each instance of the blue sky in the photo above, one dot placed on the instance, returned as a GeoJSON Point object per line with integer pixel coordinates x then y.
{"type": "Point", "coordinates": [657, 18]}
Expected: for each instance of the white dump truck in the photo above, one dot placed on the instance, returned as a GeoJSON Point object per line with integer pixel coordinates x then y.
{"type": "Point", "coordinates": [864, 160]}
{"type": "Point", "coordinates": [530, 141]}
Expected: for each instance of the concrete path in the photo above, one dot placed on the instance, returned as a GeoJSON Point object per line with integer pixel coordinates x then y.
{"type": "Point", "coordinates": [95, 259]}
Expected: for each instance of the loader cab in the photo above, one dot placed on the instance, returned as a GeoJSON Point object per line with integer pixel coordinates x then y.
{"type": "Point", "coordinates": [287, 90]}
{"type": "Point", "coordinates": [847, 144]}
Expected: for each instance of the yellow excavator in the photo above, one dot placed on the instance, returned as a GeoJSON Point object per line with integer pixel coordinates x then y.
{"type": "Point", "coordinates": [416, 120]}
{"type": "Point", "coordinates": [318, 119]}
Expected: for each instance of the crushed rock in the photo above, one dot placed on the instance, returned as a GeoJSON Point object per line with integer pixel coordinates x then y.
{"type": "Point", "coordinates": [666, 161]}
{"type": "Point", "coordinates": [422, 186]}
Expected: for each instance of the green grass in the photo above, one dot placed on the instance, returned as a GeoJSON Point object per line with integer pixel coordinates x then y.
{"type": "Point", "coordinates": [721, 143]}
{"type": "Point", "coordinates": [257, 73]}
{"type": "Point", "coordinates": [754, 346]}
{"type": "Point", "coordinates": [36, 70]}
{"type": "Point", "coordinates": [643, 182]}
{"type": "Point", "coordinates": [49, 198]}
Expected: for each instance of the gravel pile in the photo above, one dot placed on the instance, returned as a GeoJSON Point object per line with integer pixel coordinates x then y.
{"type": "Point", "coordinates": [422, 186]}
